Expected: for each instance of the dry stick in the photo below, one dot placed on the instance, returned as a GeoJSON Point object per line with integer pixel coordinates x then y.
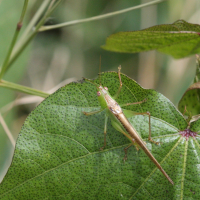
{"type": "Point", "coordinates": [6, 129]}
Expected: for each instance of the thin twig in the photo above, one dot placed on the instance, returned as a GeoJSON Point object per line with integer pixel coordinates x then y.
{"type": "Point", "coordinates": [30, 26]}
{"type": "Point", "coordinates": [21, 88]}
{"type": "Point", "coordinates": [32, 34]}
{"type": "Point", "coordinates": [45, 28]}
{"type": "Point", "coordinates": [33, 99]}
{"type": "Point", "coordinates": [6, 129]}
{"type": "Point", "coordinates": [51, 5]}
{"type": "Point", "coordinates": [19, 25]}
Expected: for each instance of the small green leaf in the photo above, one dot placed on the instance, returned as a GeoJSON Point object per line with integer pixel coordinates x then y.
{"type": "Point", "coordinates": [179, 39]}
{"type": "Point", "coordinates": [190, 101]}
{"type": "Point", "coordinates": [195, 126]}
{"type": "Point", "coordinates": [57, 153]}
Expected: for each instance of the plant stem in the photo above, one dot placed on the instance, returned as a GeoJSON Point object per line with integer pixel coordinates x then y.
{"type": "Point", "coordinates": [23, 89]}
{"type": "Point", "coordinates": [19, 25]}
{"type": "Point", "coordinates": [51, 4]}
{"type": "Point", "coordinates": [30, 25]}
{"type": "Point", "coordinates": [197, 75]}
{"type": "Point", "coordinates": [45, 28]}
{"type": "Point", "coordinates": [6, 129]}
{"type": "Point", "coordinates": [32, 35]}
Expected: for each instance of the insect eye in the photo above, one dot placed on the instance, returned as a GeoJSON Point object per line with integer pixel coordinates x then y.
{"type": "Point", "coordinates": [98, 93]}
{"type": "Point", "coordinates": [105, 88]}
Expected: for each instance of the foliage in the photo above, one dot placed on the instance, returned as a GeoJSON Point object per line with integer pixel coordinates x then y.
{"type": "Point", "coordinates": [189, 103]}
{"type": "Point", "coordinates": [57, 153]}
{"type": "Point", "coordinates": [179, 39]}
{"type": "Point", "coordinates": [58, 149]}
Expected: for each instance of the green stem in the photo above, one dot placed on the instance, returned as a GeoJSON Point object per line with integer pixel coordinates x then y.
{"type": "Point", "coordinates": [30, 25]}
{"type": "Point", "coordinates": [19, 25]}
{"type": "Point", "coordinates": [50, 6]}
{"type": "Point", "coordinates": [32, 35]}
{"type": "Point", "coordinates": [24, 10]}
{"type": "Point", "coordinates": [197, 75]}
{"type": "Point", "coordinates": [23, 89]}
{"type": "Point", "coordinates": [45, 28]}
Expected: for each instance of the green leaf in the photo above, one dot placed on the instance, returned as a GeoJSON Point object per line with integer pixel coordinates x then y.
{"type": "Point", "coordinates": [190, 101]}
{"type": "Point", "coordinates": [57, 153]}
{"type": "Point", "coordinates": [179, 39]}
{"type": "Point", "coordinates": [195, 126]}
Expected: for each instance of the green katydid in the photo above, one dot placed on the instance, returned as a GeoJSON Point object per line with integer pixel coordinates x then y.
{"type": "Point", "coordinates": [121, 123]}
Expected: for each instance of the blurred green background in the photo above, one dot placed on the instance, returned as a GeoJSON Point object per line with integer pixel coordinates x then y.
{"type": "Point", "coordinates": [60, 56]}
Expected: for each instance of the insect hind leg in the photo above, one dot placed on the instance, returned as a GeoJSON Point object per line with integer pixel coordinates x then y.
{"type": "Point", "coordinates": [130, 113]}
{"type": "Point", "coordinates": [149, 138]}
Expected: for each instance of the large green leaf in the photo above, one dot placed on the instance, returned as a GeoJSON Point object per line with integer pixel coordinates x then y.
{"type": "Point", "coordinates": [179, 39]}
{"type": "Point", "coordinates": [57, 153]}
